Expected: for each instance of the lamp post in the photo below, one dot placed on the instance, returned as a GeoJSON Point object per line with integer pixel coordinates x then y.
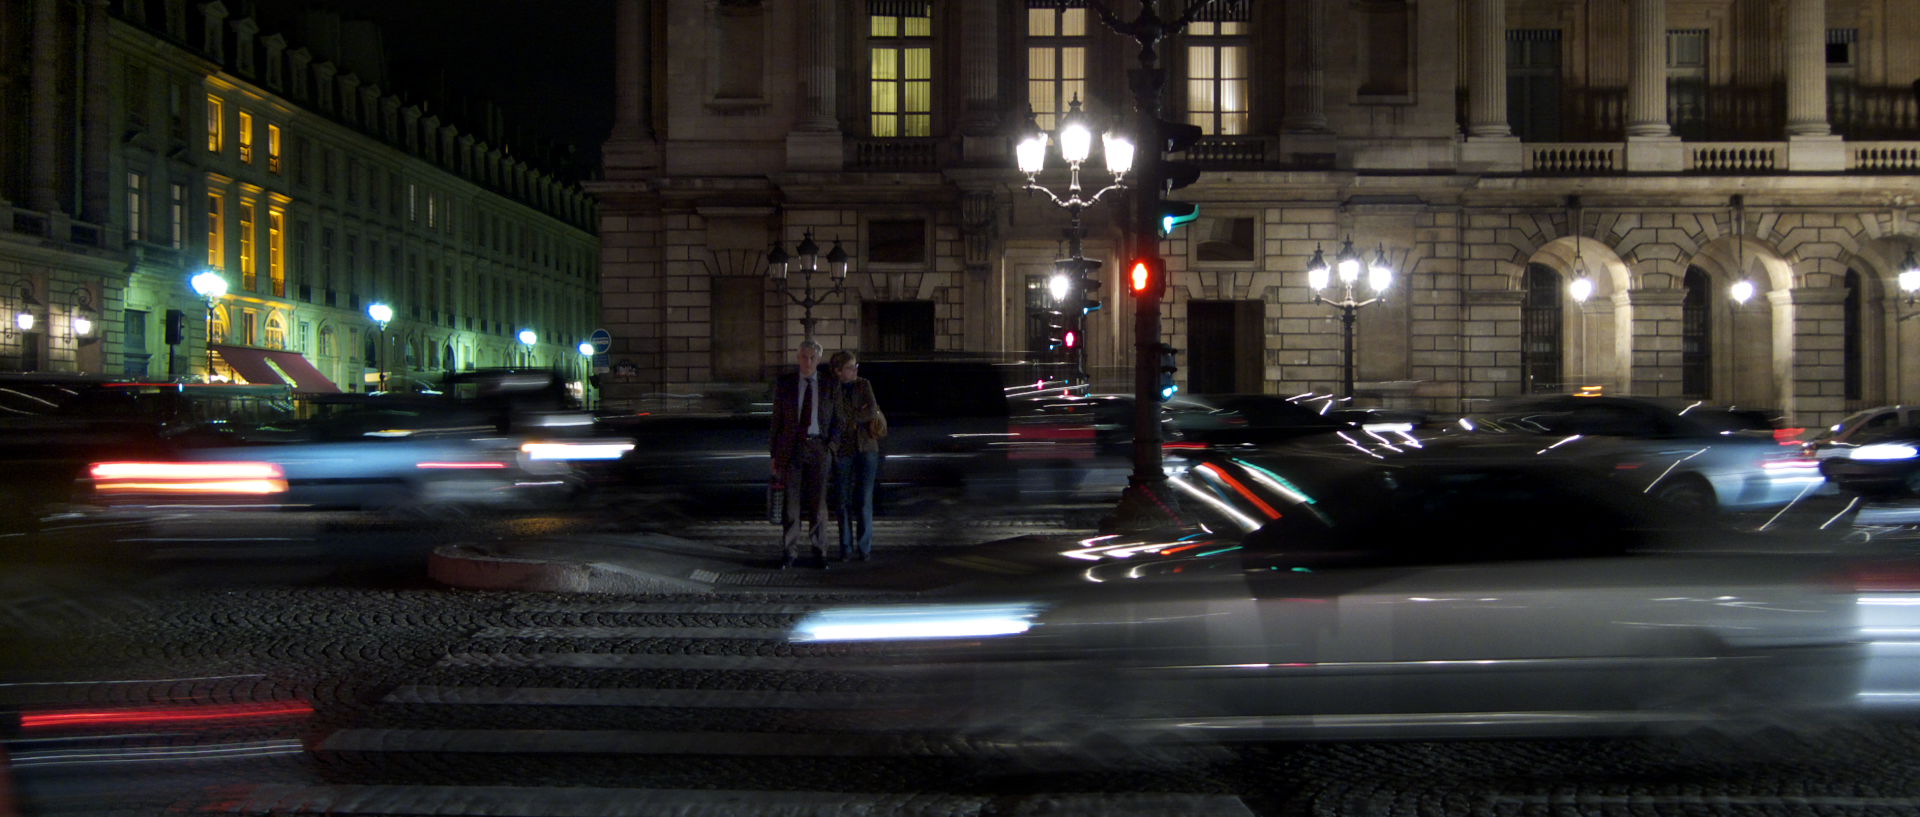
{"type": "Point", "coordinates": [1580, 289]}
{"type": "Point", "coordinates": [807, 263]}
{"type": "Point", "coordinates": [527, 339]}
{"type": "Point", "coordinates": [1346, 264]}
{"type": "Point", "coordinates": [381, 315]}
{"type": "Point", "coordinates": [1910, 277]}
{"type": "Point", "coordinates": [211, 286]}
{"type": "Point", "coordinates": [1075, 273]}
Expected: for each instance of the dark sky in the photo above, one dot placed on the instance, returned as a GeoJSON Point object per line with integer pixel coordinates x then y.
{"type": "Point", "coordinates": [547, 63]}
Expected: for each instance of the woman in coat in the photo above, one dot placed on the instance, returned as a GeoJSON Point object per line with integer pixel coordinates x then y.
{"type": "Point", "coordinates": [856, 456]}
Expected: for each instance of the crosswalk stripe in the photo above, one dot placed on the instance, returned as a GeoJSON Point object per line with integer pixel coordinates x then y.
{"type": "Point", "coordinates": [632, 696]}
{"type": "Point", "coordinates": [642, 742]}
{"type": "Point", "coordinates": [765, 633]}
{"type": "Point", "coordinates": [688, 607]}
{"type": "Point", "coordinates": [528, 801]}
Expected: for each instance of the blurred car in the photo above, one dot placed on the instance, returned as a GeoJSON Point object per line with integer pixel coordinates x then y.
{"type": "Point", "coordinates": [1678, 451]}
{"type": "Point", "coordinates": [1878, 461]}
{"type": "Point", "coordinates": [1464, 589]}
{"type": "Point", "coordinates": [503, 444]}
{"type": "Point", "coordinates": [52, 426]}
{"type": "Point", "coordinates": [1834, 440]}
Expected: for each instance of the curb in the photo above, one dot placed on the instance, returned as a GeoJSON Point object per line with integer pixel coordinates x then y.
{"type": "Point", "coordinates": [474, 568]}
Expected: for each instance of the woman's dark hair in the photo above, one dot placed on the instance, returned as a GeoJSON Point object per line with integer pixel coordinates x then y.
{"type": "Point", "coordinates": [840, 358]}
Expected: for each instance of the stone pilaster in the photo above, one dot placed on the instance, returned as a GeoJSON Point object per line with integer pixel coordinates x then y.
{"type": "Point", "coordinates": [1647, 74]}
{"type": "Point", "coordinates": [1306, 28]}
{"type": "Point", "coordinates": [43, 109]}
{"type": "Point", "coordinates": [96, 142]}
{"type": "Point", "coordinates": [632, 147]}
{"type": "Point", "coordinates": [1807, 68]}
{"type": "Point", "coordinates": [1490, 145]}
{"type": "Point", "coordinates": [1809, 353]}
{"type": "Point", "coordinates": [981, 62]}
{"type": "Point", "coordinates": [815, 143]}
{"type": "Point", "coordinates": [1650, 340]}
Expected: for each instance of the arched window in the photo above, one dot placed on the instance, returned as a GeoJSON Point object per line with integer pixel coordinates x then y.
{"type": "Point", "coordinates": [1540, 341]}
{"type": "Point", "coordinates": [219, 328]}
{"type": "Point", "coordinates": [1850, 346]}
{"type": "Point", "coordinates": [1696, 348]}
{"type": "Point", "coordinates": [276, 331]}
{"type": "Point", "coordinates": [413, 354]}
{"type": "Point", "coordinates": [326, 341]}
{"type": "Point", "coordinates": [446, 357]}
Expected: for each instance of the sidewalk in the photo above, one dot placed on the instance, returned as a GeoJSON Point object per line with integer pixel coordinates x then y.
{"type": "Point", "coordinates": [663, 563]}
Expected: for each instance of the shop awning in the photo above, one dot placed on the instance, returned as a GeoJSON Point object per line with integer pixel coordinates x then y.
{"type": "Point", "coordinates": [306, 379]}
{"type": "Point", "coordinates": [249, 364]}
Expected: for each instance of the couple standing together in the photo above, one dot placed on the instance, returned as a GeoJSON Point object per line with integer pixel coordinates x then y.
{"type": "Point", "coordinates": [824, 425]}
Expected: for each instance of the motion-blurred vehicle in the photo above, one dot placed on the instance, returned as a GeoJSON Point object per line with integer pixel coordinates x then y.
{"type": "Point", "coordinates": [1834, 440]}
{"type": "Point", "coordinates": [1681, 452]}
{"type": "Point", "coordinates": [959, 429]}
{"type": "Point", "coordinates": [505, 442]}
{"type": "Point", "coordinates": [1463, 588]}
{"type": "Point", "coordinates": [1880, 461]}
{"type": "Point", "coordinates": [52, 426]}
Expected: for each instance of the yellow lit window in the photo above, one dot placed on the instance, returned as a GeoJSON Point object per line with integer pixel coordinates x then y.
{"type": "Point", "coordinates": [1218, 68]}
{"type": "Point", "coordinates": [249, 277]}
{"type": "Point", "coordinates": [277, 250]}
{"type": "Point", "coordinates": [216, 231]}
{"type": "Point", "coordinates": [900, 72]}
{"type": "Point", "coordinates": [1056, 62]}
{"type": "Point", "coordinates": [216, 125]}
{"type": "Point", "coordinates": [246, 137]}
{"type": "Point", "coordinates": [273, 148]}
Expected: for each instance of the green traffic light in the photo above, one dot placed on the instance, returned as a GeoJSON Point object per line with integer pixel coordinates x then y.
{"type": "Point", "coordinates": [1176, 213]}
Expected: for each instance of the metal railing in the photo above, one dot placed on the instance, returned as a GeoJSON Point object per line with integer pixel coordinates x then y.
{"type": "Point", "coordinates": [866, 153]}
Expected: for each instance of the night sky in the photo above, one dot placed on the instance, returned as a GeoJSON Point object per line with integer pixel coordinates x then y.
{"type": "Point", "coordinates": [547, 63]}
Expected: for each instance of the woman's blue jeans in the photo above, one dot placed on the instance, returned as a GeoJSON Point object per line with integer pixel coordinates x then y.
{"type": "Point", "coordinates": [853, 476]}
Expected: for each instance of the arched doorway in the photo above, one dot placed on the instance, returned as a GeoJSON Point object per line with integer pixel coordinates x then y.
{"type": "Point", "coordinates": [1542, 344]}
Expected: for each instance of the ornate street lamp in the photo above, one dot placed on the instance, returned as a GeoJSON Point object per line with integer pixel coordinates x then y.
{"type": "Point", "coordinates": [381, 315]}
{"type": "Point", "coordinates": [1075, 273]}
{"type": "Point", "coordinates": [211, 286]}
{"type": "Point", "coordinates": [808, 263]}
{"type": "Point", "coordinates": [1346, 264]}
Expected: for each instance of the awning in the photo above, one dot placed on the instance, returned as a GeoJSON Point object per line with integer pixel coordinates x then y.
{"type": "Point", "coordinates": [249, 364]}
{"type": "Point", "coordinates": [306, 379]}
{"type": "Point", "coordinates": [276, 366]}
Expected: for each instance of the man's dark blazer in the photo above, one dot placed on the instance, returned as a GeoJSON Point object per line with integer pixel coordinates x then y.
{"type": "Point", "coordinates": [789, 429]}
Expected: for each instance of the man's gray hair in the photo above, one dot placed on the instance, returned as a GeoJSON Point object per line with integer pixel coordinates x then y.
{"type": "Point", "coordinates": [809, 343]}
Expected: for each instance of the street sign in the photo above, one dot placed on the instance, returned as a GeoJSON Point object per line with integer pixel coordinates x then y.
{"type": "Point", "coordinates": [600, 363]}
{"type": "Point", "coordinates": [602, 341]}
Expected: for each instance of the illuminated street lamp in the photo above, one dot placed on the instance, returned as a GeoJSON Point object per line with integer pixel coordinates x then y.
{"type": "Point", "coordinates": [807, 263]}
{"type": "Point", "coordinates": [527, 339]}
{"type": "Point", "coordinates": [1910, 277]}
{"type": "Point", "coordinates": [211, 286]}
{"type": "Point", "coordinates": [381, 315]}
{"type": "Point", "coordinates": [1346, 264]}
{"type": "Point", "coordinates": [586, 349]}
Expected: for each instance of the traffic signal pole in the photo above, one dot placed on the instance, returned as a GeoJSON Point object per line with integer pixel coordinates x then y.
{"type": "Point", "coordinates": [1148, 500]}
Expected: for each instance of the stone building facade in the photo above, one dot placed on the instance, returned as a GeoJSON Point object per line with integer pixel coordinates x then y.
{"type": "Point", "coordinates": [152, 140]}
{"type": "Point", "coordinates": [1495, 151]}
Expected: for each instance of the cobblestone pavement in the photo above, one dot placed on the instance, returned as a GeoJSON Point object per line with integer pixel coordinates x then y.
{"type": "Point", "coordinates": [432, 701]}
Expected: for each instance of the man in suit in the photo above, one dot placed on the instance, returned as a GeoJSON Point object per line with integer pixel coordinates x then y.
{"type": "Point", "coordinates": [803, 428]}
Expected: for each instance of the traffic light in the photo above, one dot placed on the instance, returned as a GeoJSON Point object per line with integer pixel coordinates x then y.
{"type": "Point", "coordinates": [1146, 275]}
{"type": "Point", "coordinates": [1058, 329]}
{"type": "Point", "coordinates": [1071, 340]}
{"type": "Point", "coordinates": [1176, 213]}
{"type": "Point", "coordinates": [1177, 137]}
{"type": "Point", "coordinates": [1167, 368]}
{"type": "Point", "coordinates": [1083, 278]}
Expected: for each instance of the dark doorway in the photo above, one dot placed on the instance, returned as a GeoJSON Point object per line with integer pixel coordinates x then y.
{"type": "Point", "coordinates": [1540, 340]}
{"type": "Point", "coordinates": [896, 327]}
{"type": "Point", "coordinates": [1224, 353]}
{"type": "Point", "coordinates": [1696, 346]}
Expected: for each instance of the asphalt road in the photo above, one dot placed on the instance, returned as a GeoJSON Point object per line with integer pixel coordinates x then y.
{"type": "Point", "coordinates": [386, 695]}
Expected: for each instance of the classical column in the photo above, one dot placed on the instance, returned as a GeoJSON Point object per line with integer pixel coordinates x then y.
{"type": "Point", "coordinates": [44, 110]}
{"type": "Point", "coordinates": [818, 47]}
{"type": "Point", "coordinates": [1306, 109]}
{"type": "Point", "coordinates": [632, 70]}
{"type": "Point", "coordinates": [96, 183]}
{"type": "Point", "coordinates": [1807, 68]}
{"type": "Point", "coordinates": [981, 20]}
{"type": "Point", "coordinates": [1647, 83]}
{"type": "Point", "coordinates": [1487, 68]}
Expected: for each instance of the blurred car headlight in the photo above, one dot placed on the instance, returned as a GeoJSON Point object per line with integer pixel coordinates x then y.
{"type": "Point", "coordinates": [576, 451]}
{"type": "Point", "coordinates": [1884, 451]}
{"type": "Point", "coordinates": [917, 622]}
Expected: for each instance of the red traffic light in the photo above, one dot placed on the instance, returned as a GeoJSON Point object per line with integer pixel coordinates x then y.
{"type": "Point", "coordinates": [1141, 277]}
{"type": "Point", "coordinates": [1071, 339]}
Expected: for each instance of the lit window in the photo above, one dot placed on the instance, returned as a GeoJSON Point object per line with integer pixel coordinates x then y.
{"type": "Point", "coordinates": [216, 127]}
{"type": "Point", "coordinates": [216, 231]}
{"type": "Point", "coordinates": [249, 277]}
{"type": "Point", "coordinates": [136, 206]}
{"type": "Point", "coordinates": [433, 211]}
{"type": "Point", "coordinates": [413, 202]}
{"type": "Point", "coordinates": [273, 148]}
{"type": "Point", "coordinates": [177, 215]}
{"type": "Point", "coordinates": [246, 137]}
{"type": "Point", "coordinates": [1217, 72]}
{"type": "Point", "coordinates": [277, 250]}
{"type": "Point", "coordinates": [900, 58]}
{"type": "Point", "coordinates": [1056, 61]}
{"type": "Point", "coordinates": [276, 332]}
